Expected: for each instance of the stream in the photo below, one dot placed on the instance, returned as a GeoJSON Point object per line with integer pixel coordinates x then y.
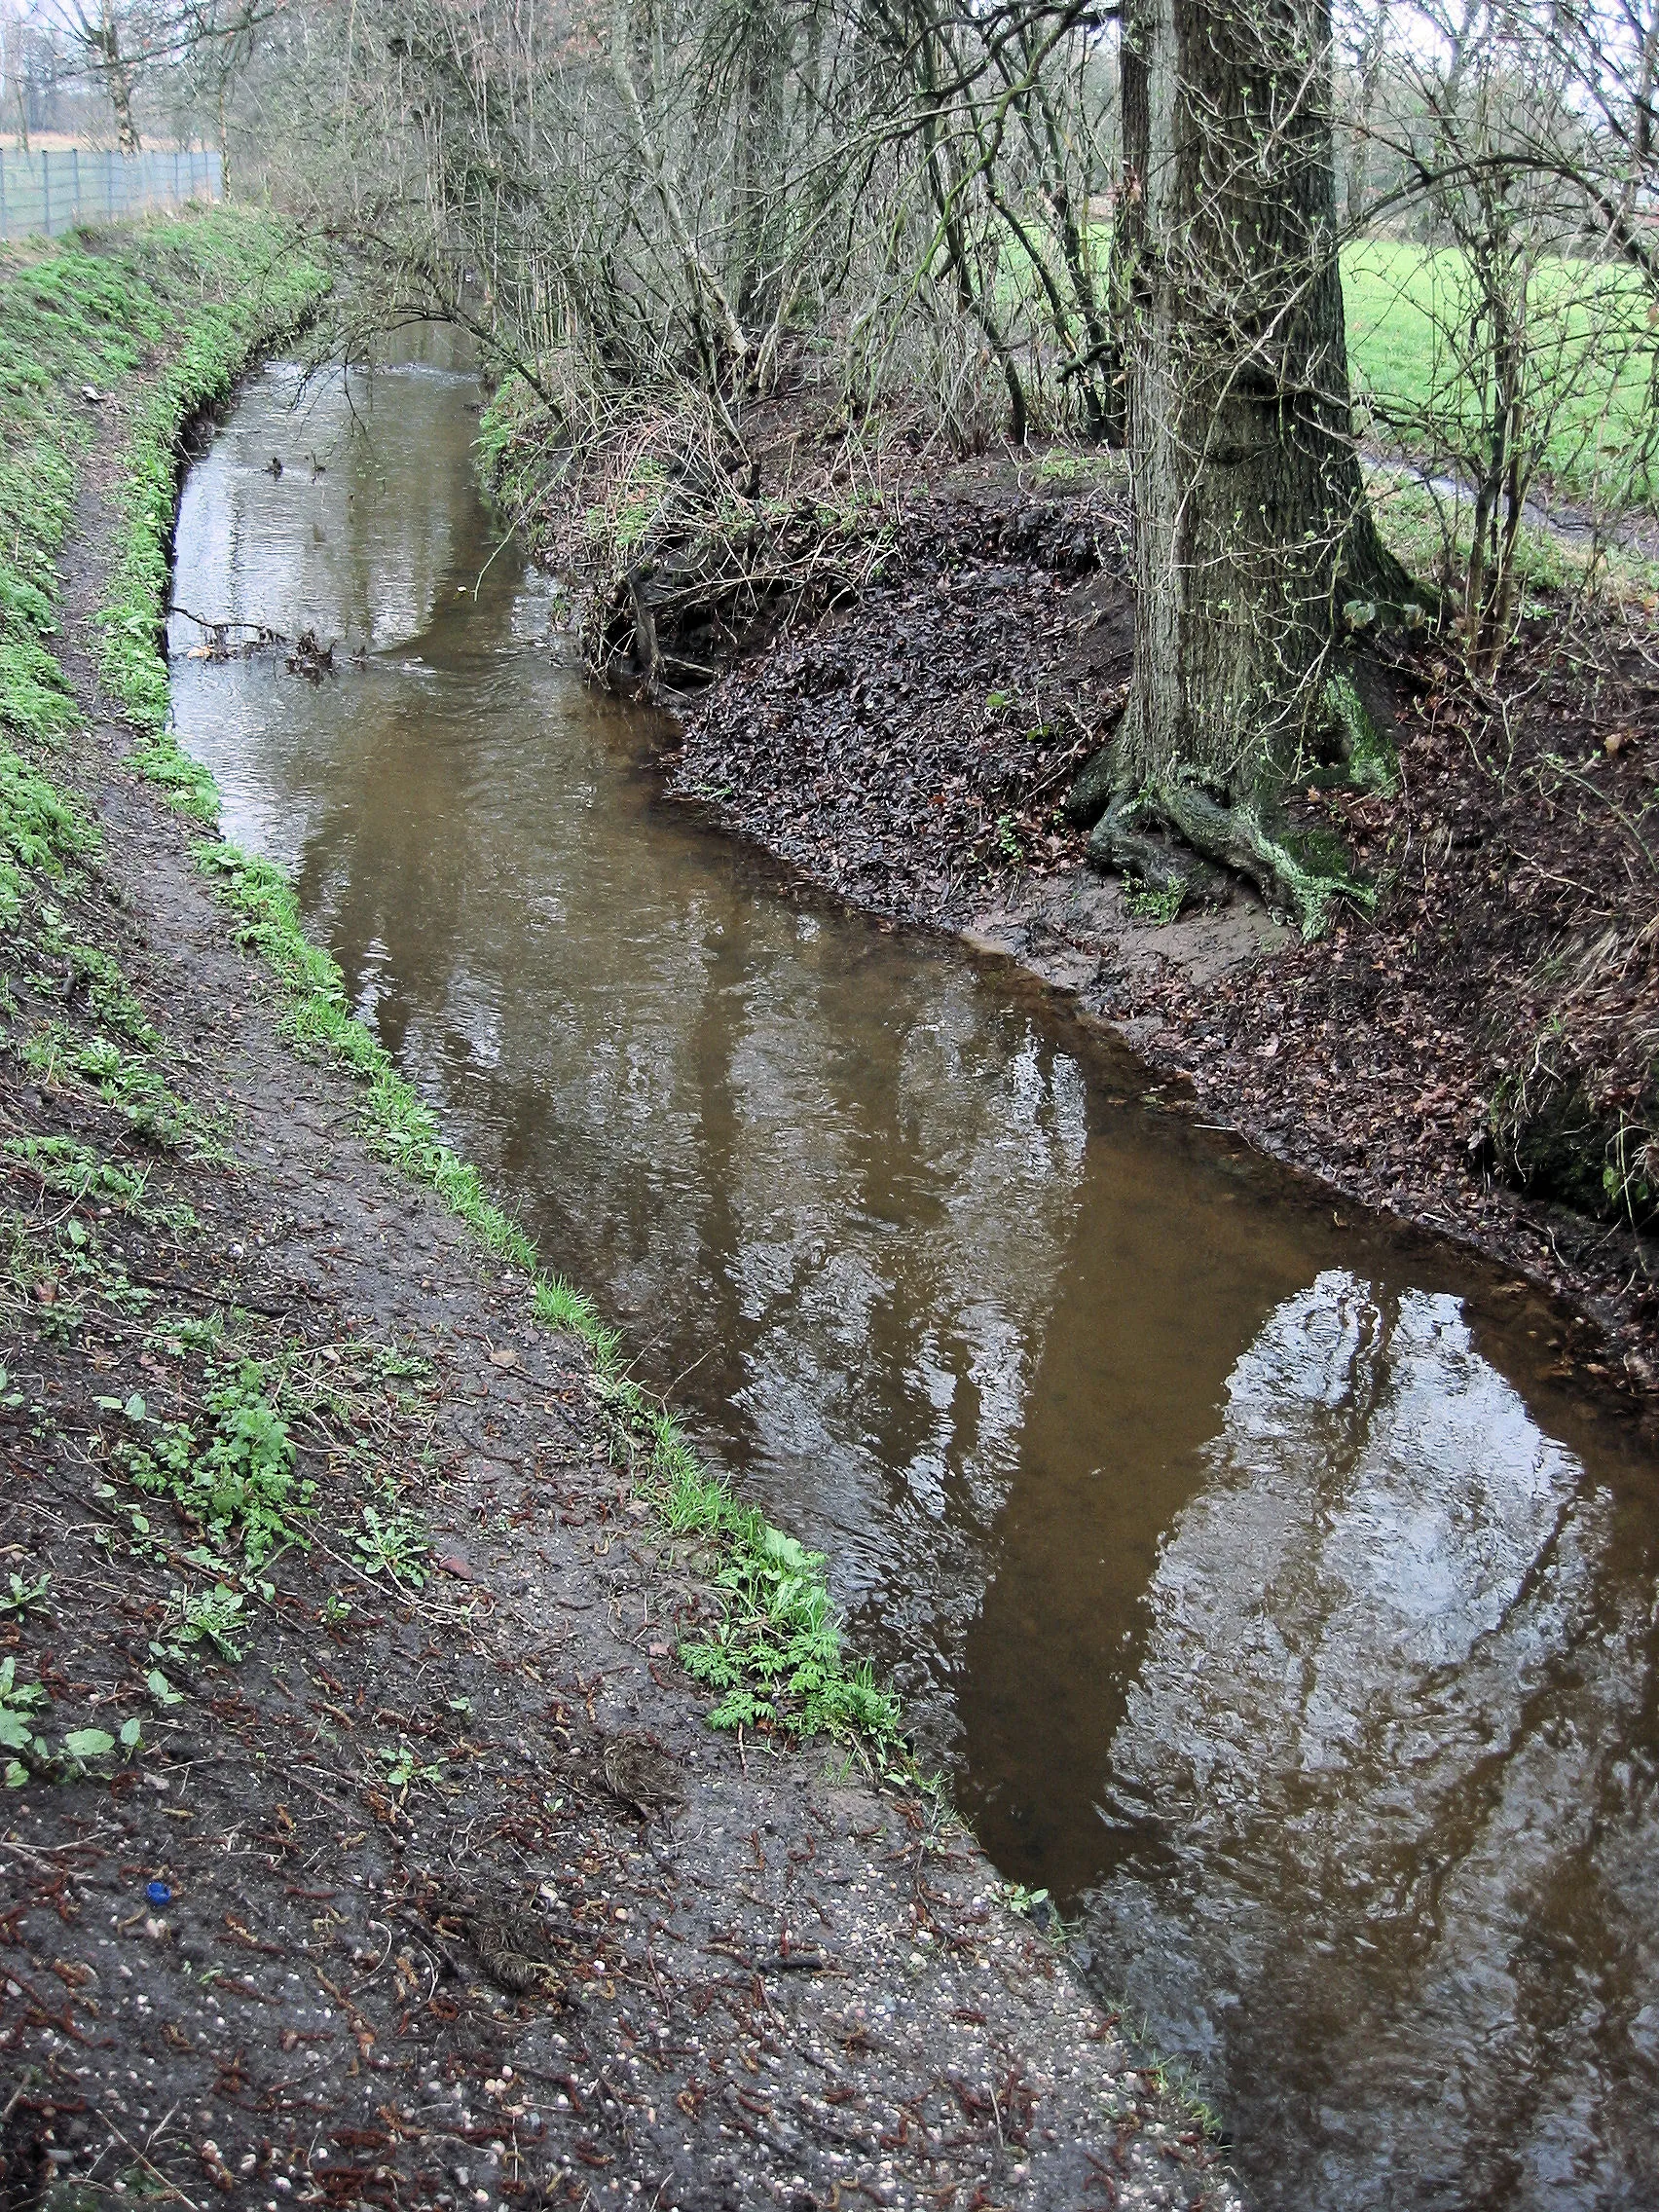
{"type": "Point", "coordinates": [1266, 1599]}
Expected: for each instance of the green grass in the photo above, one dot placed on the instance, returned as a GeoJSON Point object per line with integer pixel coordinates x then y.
{"type": "Point", "coordinates": [1592, 370]}
{"type": "Point", "coordinates": [40, 831]}
{"type": "Point", "coordinates": [1423, 529]}
{"type": "Point", "coordinates": [1597, 354]}
{"type": "Point", "coordinates": [93, 310]}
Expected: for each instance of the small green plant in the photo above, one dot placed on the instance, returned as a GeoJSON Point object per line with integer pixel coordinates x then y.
{"type": "Point", "coordinates": [110, 995]}
{"type": "Point", "coordinates": [22, 1597]}
{"type": "Point", "coordinates": [1150, 905]}
{"type": "Point", "coordinates": [776, 1655]}
{"type": "Point", "coordinates": [182, 1333]}
{"type": "Point", "coordinates": [403, 1766]}
{"type": "Point", "coordinates": [394, 1544]}
{"type": "Point", "coordinates": [1039, 1908]}
{"type": "Point", "coordinates": [1008, 840]}
{"type": "Point", "coordinates": [213, 1617]}
{"type": "Point", "coordinates": [248, 1469]}
{"type": "Point", "coordinates": [22, 1703]}
{"type": "Point", "coordinates": [129, 1082]}
{"type": "Point", "coordinates": [389, 1365]}
{"type": "Point", "coordinates": [83, 1743]}
{"type": "Point", "coordinates": [242, 1482]}
{"type": "Point", "coordinates": [72, 1171]}
{"type": "Point", "coordinates": [188, 785]}
{"type": "Point", "coordinates": [1060, 466]}
{"type": "Point", "coordinates": [40, 828]}
{"type": "Point", "coordinates": [19, 1703]}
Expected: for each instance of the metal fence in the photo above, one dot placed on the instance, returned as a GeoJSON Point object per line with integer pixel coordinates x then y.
{"type": "Point", "coordinates": [50, 193]}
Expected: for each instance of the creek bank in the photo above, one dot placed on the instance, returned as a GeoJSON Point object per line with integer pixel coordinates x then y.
{"type": "Point", "coordinates": [368, 1843]}
{"type": "Point", "coordinates": [1482, 1051]}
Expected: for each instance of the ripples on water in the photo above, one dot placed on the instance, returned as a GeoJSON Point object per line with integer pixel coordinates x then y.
{"type": "Point", "coordinates": [1267, 1605]}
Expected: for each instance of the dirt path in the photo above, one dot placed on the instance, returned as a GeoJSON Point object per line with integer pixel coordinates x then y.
{"type": "Point", "coordinates": [910, 750]}
{"type": "Point", "coordinates": [425, 1881]}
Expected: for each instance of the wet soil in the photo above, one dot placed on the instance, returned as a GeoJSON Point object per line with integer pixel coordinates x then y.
{"type": "Point", "coordinates": [420, 1937]}
{"type": "Point", "coordinates": [910, 750]}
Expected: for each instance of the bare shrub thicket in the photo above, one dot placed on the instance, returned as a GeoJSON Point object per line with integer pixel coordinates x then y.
{"type": "Point", "coordinates": [123, 69]}
{"type": "Point", "coordinates": [691, 192]}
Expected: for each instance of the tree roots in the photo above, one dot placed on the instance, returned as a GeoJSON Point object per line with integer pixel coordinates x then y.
{"type": "Point", "coordinates": [1307, 873]}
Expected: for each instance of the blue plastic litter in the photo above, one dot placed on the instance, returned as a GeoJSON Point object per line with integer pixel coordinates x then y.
{"type": "Point", "coordinates": [158, 1892]}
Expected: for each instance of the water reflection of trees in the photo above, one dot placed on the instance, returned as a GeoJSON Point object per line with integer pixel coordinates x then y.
{"type": "Point", "coordinates": [1395, 1724]}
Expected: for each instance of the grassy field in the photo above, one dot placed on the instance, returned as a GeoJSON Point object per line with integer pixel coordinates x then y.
{"type": "Point", "coordinates": [1405, 304]}
{"type": "Point", "coordinates": [1409, 314]}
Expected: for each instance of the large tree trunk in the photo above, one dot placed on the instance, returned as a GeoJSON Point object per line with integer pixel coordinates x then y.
{"type": "Point", "coordinates": [1250, 519]}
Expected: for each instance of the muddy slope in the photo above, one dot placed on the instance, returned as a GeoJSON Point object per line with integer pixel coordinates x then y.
{"type": "Point", "coordinates": [424, 1881]}
{"type": "Point", "coordinates": [910, 750]}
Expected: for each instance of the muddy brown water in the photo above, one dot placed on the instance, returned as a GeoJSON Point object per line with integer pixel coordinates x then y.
{"type": "Point", "coordinates": [1268, 1604]}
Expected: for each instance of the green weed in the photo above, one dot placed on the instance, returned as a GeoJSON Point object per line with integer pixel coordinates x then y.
{"type": "Point", "coordinates": [400, 1766]}
{"type": "Point", "coordinates": [67, 1167]}
{"type": "Point", "coordinates": [39, 828]}
{"type": "Point", "coordinates": [240, 1484]}
{"type": "Point", "coordinates": [136, 1089]}
{"type": "Point", "coordinates": [554, 1301]}
{"type": "Point", "coordinates": [394, 1544]}
{"type": "Point", "coordinates": [204, 1616]}
{"type": "Point", "coordinates": [776, 1658]}
{"type": "Point", "coordinates": [22, 1706]}
{"type": "Point", "coordinates": [22, 1597]}
{"type": "Point", "coordinates": [188, 785]}
{"type": "Point", "coordinates": [1039, 1908]}
{"type": "Point", "coordinates": [19, 1703]}
{"type": "Point", "coordinates": [1157, 907]}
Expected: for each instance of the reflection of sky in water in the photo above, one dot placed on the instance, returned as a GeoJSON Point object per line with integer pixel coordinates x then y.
{"type": "Point", "coordinates": [1382, 1729]}
{"type": "Point", "coordinates": [1260, 1618]}
{"type": "Point", "coordinates": [304, 559]}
